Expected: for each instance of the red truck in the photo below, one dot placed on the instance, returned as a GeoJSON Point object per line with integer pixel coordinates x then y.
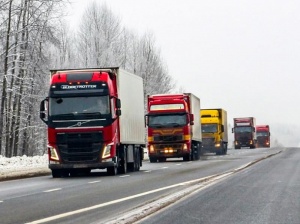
{"type": "Point", "coordinates": [174, 127]}
{"type": "Point", "coordinates": [87, 129]}
{"type": "Point", "coordinates": [263, 136]}
{"type": "Point", "coordinates": [244, 132]}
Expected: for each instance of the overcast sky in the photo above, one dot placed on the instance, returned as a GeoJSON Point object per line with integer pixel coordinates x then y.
{"type": "Point", "coordinates": [240, 55]}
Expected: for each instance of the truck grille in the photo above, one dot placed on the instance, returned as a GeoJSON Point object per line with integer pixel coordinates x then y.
{"type": "Point", "coordinates": [208, 142]}
{"type": "Point", "coordinates": [262, 140]}
{"type": "Point", "coordinates": [168, 138]}
{"type": "Point", "coordinates": [244, 139]}
{"type": "Point", "coordinates": [176, 147]}
{"type": "Point", "coordinates": [80, 147]}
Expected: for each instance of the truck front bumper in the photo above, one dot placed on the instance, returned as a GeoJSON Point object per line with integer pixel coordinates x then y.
{"type": "Point", "coordinates": [100, 165]}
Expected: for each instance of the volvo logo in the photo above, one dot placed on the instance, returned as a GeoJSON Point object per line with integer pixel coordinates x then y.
{"type": "Point", "coordinates": [79, 124]}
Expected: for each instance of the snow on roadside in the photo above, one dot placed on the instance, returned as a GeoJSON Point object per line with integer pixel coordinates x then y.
{"type": "Point", "coordinates": [23, 166]}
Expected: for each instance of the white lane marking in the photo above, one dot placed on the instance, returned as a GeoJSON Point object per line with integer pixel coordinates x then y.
{"type": "Point", "coordinates": [178, 164]}
{"type": "Point", "coordinates": [165, 167]}
{"type": "Point", "coordinates": [125, 176]}
{"type": "Point", "coordinates": [51, 190]}
{"type": "Point", "coordinates": [93, 182]}
{"type": "Point", "coordinates": [1, 201]}
{"type": "Point", "coordinates": [147, 171]}
{"type": "Point", "coordinates": [62, 215]}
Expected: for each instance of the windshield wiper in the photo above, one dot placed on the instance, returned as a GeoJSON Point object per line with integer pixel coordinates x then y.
{"type": "Point", "coordinates": [174, 124]}
{"type": "Point", "coordinates": [91, 113]}
{"type": "Point", "coordinates": [66, 115]}
{"type": "Point", "coordinates": [156, 125]}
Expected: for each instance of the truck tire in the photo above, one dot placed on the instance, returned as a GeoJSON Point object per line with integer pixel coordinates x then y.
{"type": "Point", "coordinates": [112, 171]}
{"type": "Point", "coordinates": [122, 167]}
{"type": "Point", "coordinates": [196, 155]}
{"type": "Point", "coordinates": [56, 173]}
{"type": "Point", "coordinates": [225, 149]}
{"type": "Point", "coordinates": [187, 157]}
{"type": "Point", "coordinates": [152, 159]}
{"type": "Point", "coordinates": [137, 161]}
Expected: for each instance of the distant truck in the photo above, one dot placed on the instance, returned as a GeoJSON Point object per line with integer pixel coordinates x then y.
{"type": "Point", "coordinates": [174, 130]}
{"type": "Point", "coordinates": [244, 132]}
{"type": "Point", "coordinates": [87, 127]}
{"type": "Point", "coordinates": [263, 136]}
{"type": "Point", "coordinates": [214, 131]}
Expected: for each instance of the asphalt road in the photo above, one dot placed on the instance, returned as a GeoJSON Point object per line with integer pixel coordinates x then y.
{"type": "Point", "coordinates": [268, 192]}
{"type": "Point", "coordinates": [99, 198]}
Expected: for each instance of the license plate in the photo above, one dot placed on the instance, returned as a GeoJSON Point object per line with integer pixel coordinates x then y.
{"type": "Point", "coordinates": [80, 166]}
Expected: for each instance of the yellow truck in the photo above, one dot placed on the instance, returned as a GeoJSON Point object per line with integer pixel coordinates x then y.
{"type": "Point", "coordinates": [214, 131]}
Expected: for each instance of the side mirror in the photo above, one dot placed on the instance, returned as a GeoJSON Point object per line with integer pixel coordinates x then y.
{"type": "Point", "coordinates": [118, 112]}
{"type": "Point", "coordinates": [192, 119]}
{"type": "Point", "coordinates": [43, 111]}
{"type": "Point", "coordinates": [146, 120]}
{"type": "Point", "coordinates": [118, 103]}
{"type": "Point", "coordinates": [222, 128]}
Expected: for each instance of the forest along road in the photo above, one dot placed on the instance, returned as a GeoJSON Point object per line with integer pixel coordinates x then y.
{"type": "Point", "coordinates": [268, 192]}
{"type": "Point", "coordinates": [99, 198]}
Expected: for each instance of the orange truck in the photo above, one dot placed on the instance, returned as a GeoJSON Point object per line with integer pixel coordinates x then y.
{"type": "Point", "coordinates": [173, 126]}
{"type": "Point", "coordinates": [263, 136]}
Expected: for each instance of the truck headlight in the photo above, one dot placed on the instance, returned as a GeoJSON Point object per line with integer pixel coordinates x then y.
{"type": "Point", "coordinates": [151, 148]}
{"type": "Point", "coordinates": [217, 145]}
{"type": "Point", "coordinates": [185, 147]}
{"type": "Point", "coordinates": [106, 151]}
{"type": "Point", "coordinates": [53, 155]}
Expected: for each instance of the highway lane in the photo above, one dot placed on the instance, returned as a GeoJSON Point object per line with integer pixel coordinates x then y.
{"type": "Point", "coordinates": [268, 192]}
{"type": "Point", "coordinates": [98, 197]}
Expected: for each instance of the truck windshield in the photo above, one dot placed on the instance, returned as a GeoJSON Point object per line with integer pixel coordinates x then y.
{"type": "Point", "coordinates": [167, 120]}
{"type": "Point", "coordinates": [79, 105]}
{"type": "Point", "coordinates": [242, 129]}
{"type": "Point", "coordinates": [262, 134]}
{"type": "Point", "coordinates": [209, 128]}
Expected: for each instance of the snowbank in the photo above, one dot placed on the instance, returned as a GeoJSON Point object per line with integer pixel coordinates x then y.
{"type": "Point", "coordinates": [23, 166]}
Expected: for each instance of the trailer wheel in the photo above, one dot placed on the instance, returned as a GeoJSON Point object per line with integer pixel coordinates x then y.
{"type": "Point", "coordinates": [137, 161]}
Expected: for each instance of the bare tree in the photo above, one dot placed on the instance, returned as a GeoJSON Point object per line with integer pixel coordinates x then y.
{"type": "Point", "coordinates": [28, 25]}
{"type": "Point", "coordinates": [99, 34]}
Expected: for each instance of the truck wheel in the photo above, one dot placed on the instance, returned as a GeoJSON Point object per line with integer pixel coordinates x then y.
{"type": "Point", "coordinates": [152, 159]}
{"type": "Point", "coordinates": [187, 157]}
{"type": "Point", "coordinates": [225, 149]}
{"type": "Point", "coordinates": [122, 168]}
{"type": "Point", "coordinates": [56, 173]}
{"type": "Point", "coordinates": [112, 171]}
{"type": "Point", "coordinates": [137, 160]}
{"type": "Point", "coordinates": [123, 165]}
{"type": "Point", "coordinates": [197, 152]}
